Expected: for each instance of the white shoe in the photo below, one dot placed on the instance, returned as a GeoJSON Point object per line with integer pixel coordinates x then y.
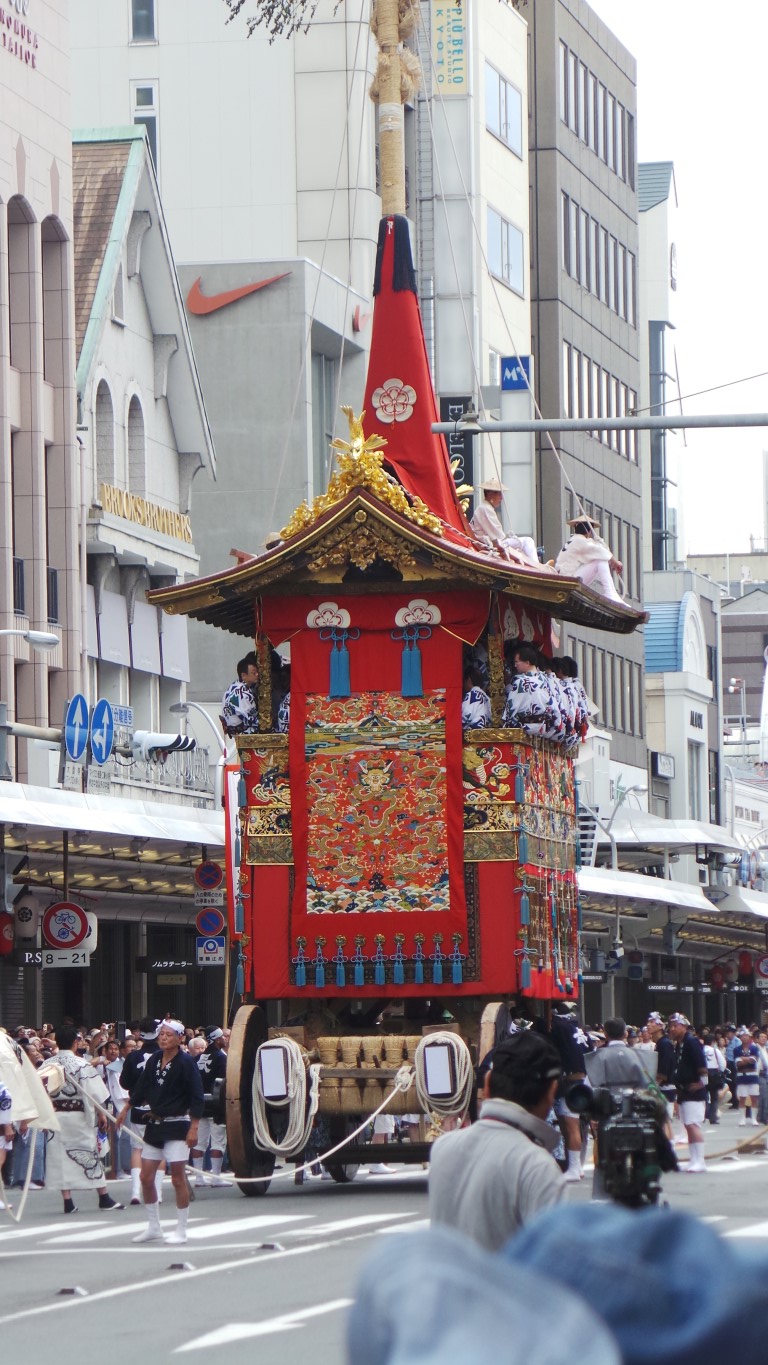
{"type": "Point", "coordinates": [572, 1177]}
{"type": "Point", "coordinates": [219, 1182]}
{"type": "Point", "coordinates": [199, 1183]}
{"type": "Point", "coordinates": [149, 1234]}
{"type": "Point", "coordinates": [755, 1123]}
{"type": "Point", "coordinates": [380, 1168]}
{"type": "Point", "coordinates": [326, 1175]}
{"type": "Point", "coordinates": [175, 1238]}
{"type": "Point", "coordinates": [695, 1168]}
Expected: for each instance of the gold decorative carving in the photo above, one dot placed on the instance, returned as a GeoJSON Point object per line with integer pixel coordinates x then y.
{"type": "Point", "coordinates": [496, 675]}
{"type": "Point", "coordinates": [361, 515]}
{"type": "Point", "coordinates": [361, 465]}
{"type": "Point", "coordinates": [495, 846]}
{"type": "Point", "coordinates": [264, 655]}
{"type": "Point", "coordinates": [361, 546]}
{"type": "Point", "coordinates": [262, 741]}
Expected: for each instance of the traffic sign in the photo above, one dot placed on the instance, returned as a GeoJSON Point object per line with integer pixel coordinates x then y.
{"type": "Point", "coordinates": [209, 922]}
{"type": "Point", "coordinates": [65, 957]}
{"type": "Point", "coordinates": [65, 925]}
{"type": "Point", "coordinates": [102, 730]}
{"type": "Point", "coordinates": [211, 952]}
{"type": "Point", "coordinates": [208, 876]}
{"type": "Point", "coordinates": [207, 898]}
{"type": "Point", "coordinates": [76, 727]}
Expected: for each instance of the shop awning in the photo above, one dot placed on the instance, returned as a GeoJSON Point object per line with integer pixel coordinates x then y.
{"type": "Point", "coordinates": [52, 809]}
{"type": "Point", "coordinates": [741, 901]}
{"type": "Point", "coordinates": [638, 829]}
{"type": "Point", "coordinates": [605, 886]}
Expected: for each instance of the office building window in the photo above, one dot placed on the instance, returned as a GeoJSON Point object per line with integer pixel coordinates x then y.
{"type": "Point", "coordinates": [503, 110]}
{"type": "Point", "coordinates": [584, 239]}
{"type": "Point", "coordinates": [694, 780]}
{"type": "Point", "coordinates": [145, 113]}
{"type": "Point", "coordinates": [563, 83]}
{"type": "Point", "coordinates": [573, 92]}
{"type": "Point", "coordinates": [324, 376]}
{"type": "Point", "coordinates": [143, 28]}
{"type": "Point", "coordinates": [505, 252]}
{"type": "Point", "coordinates": [567, 390]}
{"type": "Point", "coordinates": [566, 257]}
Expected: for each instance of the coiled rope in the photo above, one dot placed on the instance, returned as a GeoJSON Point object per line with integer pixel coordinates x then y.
{"type": "Point", "coordinates": [458, 1102]}
{"type": "Point", "coordinates": [300, 1114]}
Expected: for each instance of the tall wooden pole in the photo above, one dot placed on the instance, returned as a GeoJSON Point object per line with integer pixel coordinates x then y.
{"type": "Point", "coordinates": [397, 74]}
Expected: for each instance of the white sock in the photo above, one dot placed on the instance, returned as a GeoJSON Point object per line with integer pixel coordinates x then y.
{"type": "Point", "coordinates": [216, 1162]}
{"type": "Point", "coordinates": [135, 1182]}
{"type": "Point", "coordinates": [696, 1150]}
{"type": "Point", "coordinates": [574, 1161]}
{"type": "Point", "coordinates": [159, 1185]}
{"type": "Point", "coordinates": [197, 1162]}
{"type": "Point", "coordinates": [153, 1215]}
{"type": "Point", "coordinates": [181, 1219]}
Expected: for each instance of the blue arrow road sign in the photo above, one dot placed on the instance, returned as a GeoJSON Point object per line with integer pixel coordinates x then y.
{"type": "Point", "coordinates": [515, 373]}
{"type": "Point", "coordinates": [76, 727]}
{"type": "Point", "coordinates": [102, 730]}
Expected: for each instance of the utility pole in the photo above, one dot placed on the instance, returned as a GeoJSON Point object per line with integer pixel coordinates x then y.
{"type": "Point", "coordinates": [398, 74]}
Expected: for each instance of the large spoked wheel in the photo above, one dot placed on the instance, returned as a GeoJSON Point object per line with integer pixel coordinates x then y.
{"type": "Point", "coordinates": [248, 1031]}
{"type": "Point", "coordinates": [342, 1172]}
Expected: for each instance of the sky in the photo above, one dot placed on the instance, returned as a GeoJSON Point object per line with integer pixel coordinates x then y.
{"type": "Point", "coordinates": [702, 77]}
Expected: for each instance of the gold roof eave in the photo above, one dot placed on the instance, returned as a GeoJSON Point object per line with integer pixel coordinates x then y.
{"type": "Point", "coordinates": [309, 562]}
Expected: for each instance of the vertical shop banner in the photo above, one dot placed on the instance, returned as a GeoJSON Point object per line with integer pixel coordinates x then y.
{"type": "Point", "coordinates": [449, 48]}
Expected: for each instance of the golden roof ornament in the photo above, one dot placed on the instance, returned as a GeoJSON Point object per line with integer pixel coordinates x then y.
{"type": "Point", "coordinates": [361, 465]}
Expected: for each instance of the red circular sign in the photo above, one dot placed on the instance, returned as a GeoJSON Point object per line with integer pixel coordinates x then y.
{"type": "Point", "coordinates": [209, 922]}
{"type": "Point", "coordinates": [209, 876]}
{"type": "Point", "coordinates": [65, 925]}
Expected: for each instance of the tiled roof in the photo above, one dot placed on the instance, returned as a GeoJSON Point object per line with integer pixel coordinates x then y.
{"type": "Point", "coordinates": [98, 169]}
{"type": "Point", "coordinates": [655, 183]}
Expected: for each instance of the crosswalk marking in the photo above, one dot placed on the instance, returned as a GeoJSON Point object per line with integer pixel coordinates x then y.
{"type": "Point", "coordinates": [241, 1331]}
{"type": "Point", "coordinates": [264, 1220]}
{"type": "Point", "coordinates": [756, 1230]}
{"type": "Point", "coordinates": [417, 1226]}
{"type": "Point", "coordinates": [342, 1224]}
{"type": "Point", "coordinates": [123, 1229]}
{"type": "Point", "coordinates": [38, 1230]}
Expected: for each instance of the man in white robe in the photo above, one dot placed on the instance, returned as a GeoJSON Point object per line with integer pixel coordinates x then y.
{"type": "Point", "coordinates": [587, 557]}
{"type": "Point", "coordinates": [487, 527]}
{"type": "Point", "coordinates": [72, 1156]}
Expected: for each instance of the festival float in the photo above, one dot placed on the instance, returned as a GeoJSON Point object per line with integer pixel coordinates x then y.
{"type": "Point", "coordinates": [388, 871]}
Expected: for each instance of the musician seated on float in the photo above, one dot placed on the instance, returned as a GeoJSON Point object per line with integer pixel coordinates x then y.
{"type": "Point", "coordinates": [488, 528]}
{"type": "Point", "coordinates": [575, 702]}
{"type": "Point", "coordinates": [531, 704]}
{"type": "Point", "coordinates": [586, 556]}
{"type": "Point", "coordinates": [239, 713]}
{"type": "Point", "coordinates": [476, 704]}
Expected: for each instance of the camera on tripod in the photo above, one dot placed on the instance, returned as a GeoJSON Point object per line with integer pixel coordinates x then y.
{"type": "Point", "coordinates": [632, 1146]}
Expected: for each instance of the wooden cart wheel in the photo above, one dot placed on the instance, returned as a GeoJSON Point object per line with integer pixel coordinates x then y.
{"type": "Point", "coordinates": [248, 1031]}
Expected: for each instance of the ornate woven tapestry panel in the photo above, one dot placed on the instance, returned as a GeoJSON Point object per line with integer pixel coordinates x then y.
{"type": "Point", "coordinates": [513, 789]}
{"type": "Point", "coordinates": [268, 826]}
{"type": "Point", "coordinates": [376, 803]}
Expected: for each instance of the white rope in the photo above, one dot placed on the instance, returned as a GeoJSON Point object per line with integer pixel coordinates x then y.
{"type": "Point", "coordinates": [300, 1114]}
{"type": "Point", "coordinates": [458, 1102]}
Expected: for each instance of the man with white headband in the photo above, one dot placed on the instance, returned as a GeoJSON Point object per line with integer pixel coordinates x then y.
{"type": "Point", "coordinates": [170, 1085]}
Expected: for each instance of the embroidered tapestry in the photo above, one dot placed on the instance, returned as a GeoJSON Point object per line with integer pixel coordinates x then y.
{"type": "Point", "coordinates": [376, 803]}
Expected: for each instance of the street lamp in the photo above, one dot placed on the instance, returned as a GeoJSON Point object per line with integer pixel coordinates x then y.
{"type": "Point", "coordinates": [38, 639]}
{"type": "Point", "coordinates": [183, 708]}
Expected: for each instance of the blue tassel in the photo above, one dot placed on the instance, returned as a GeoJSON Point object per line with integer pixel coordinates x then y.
{"type": "Point", "coordinates": [239, 915]}
{"type": "Point", "coordinates": [319, 974]}
{"type": "Point", "coordinates": [412, 684]}
{"type": "Point", "coordinates": [418, 969]}
{"type": "Point", "coordinates": [525, 974]}
{"type": "Point", "coordinates": [359, 966]}
{"type": "Point", "coordinates": [242, 793]}
{"type": "Point", "coordinates": [522, 846]}
{"type": "Point", "coordinates": [398, 974]}
{"type": "Point", "coordinates": [519, 787]}
{"type": "Point", "coordinates": [301, 973]}
{"type": "Point", "coordinates": [238, 849]}
{"type": "Point", "coordinates": [340, 668]}
{"type": "Point", "coordinates": [458, 975]}
{"type": "Point", "coordinates": [239, 979]}
{"type": "Point", "coordinates": [437, 973]}
{"type": "Point", "coordinates": [525, 908]}
{"type": "Point", "coordinates": [379, 976]}
{"type": "Point", "coordinates": [341, 976]}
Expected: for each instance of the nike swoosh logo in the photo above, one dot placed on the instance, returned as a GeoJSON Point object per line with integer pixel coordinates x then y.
{"type": "Point", "coordinates": [200, 304]}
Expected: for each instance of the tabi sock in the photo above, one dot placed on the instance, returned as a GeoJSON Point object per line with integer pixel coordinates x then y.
{"type": "Point", "coordinates": [135, 1182]}
{"type": "Point", "coordinates": [216, 1163]}
{"type": "Point", "coordinates": [197, 1162]}
{"type": "Point", "coordinates": [153, 1215]}
{"type": "Point", "coordinates": [696, 1150]}
{"type": "Point", "coordinates": [181, 1220]}
{"type": "Point", "coordinates": [159, 1185]}
{"type": "Point", "coordinates": [574, 1161]}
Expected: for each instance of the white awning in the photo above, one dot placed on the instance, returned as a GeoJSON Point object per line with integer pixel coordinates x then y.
{"type": "Point", "coordinates": [742, 901]}
{"type": "Point", "coordinates": [639, 829]}
{"type": "Point", "coordinates": [49, 808]}
{"type": "Point", "coordinates": [606, 884]}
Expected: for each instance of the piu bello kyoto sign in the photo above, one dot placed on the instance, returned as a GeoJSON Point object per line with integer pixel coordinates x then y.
{"type": "Point", "coordinates": [17, 39]}
{"type": "Point", "coordinates": [131, 507]}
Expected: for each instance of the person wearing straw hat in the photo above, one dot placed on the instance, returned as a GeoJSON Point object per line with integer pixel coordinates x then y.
{"type": "Point", "coordinates": [586, 556]}
{"type": "Point", "coordinates": [487, 526]}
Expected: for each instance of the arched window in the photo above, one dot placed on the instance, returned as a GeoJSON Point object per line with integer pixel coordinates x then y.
{"type": "Point", "coordinates": [55, 275]}
{"type": "Point", "coordinates": [21, 291]}
{"type": "Point", "coordinates": [137, 448]}
{"type": "Point", "coordinates": [104, 427]}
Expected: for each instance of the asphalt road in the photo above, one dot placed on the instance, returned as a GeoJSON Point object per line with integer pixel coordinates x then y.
{"type": "Point", "coordinates": [274, 1274]}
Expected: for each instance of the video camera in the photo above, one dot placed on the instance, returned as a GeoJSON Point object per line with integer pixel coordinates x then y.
{"type": "Point", "coordinates": [633, 1147]}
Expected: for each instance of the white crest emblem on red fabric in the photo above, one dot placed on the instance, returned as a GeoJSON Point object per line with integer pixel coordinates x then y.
{"type": "Point", "coordinates": [328, 614]}
{"type": "Point", "coordinates": [394, 401]}
{"type": "Point", "coordinates": [419, 612]}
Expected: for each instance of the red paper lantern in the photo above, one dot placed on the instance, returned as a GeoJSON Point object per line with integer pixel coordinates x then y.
{"type": "Point", "coordinates": [6, 934]}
